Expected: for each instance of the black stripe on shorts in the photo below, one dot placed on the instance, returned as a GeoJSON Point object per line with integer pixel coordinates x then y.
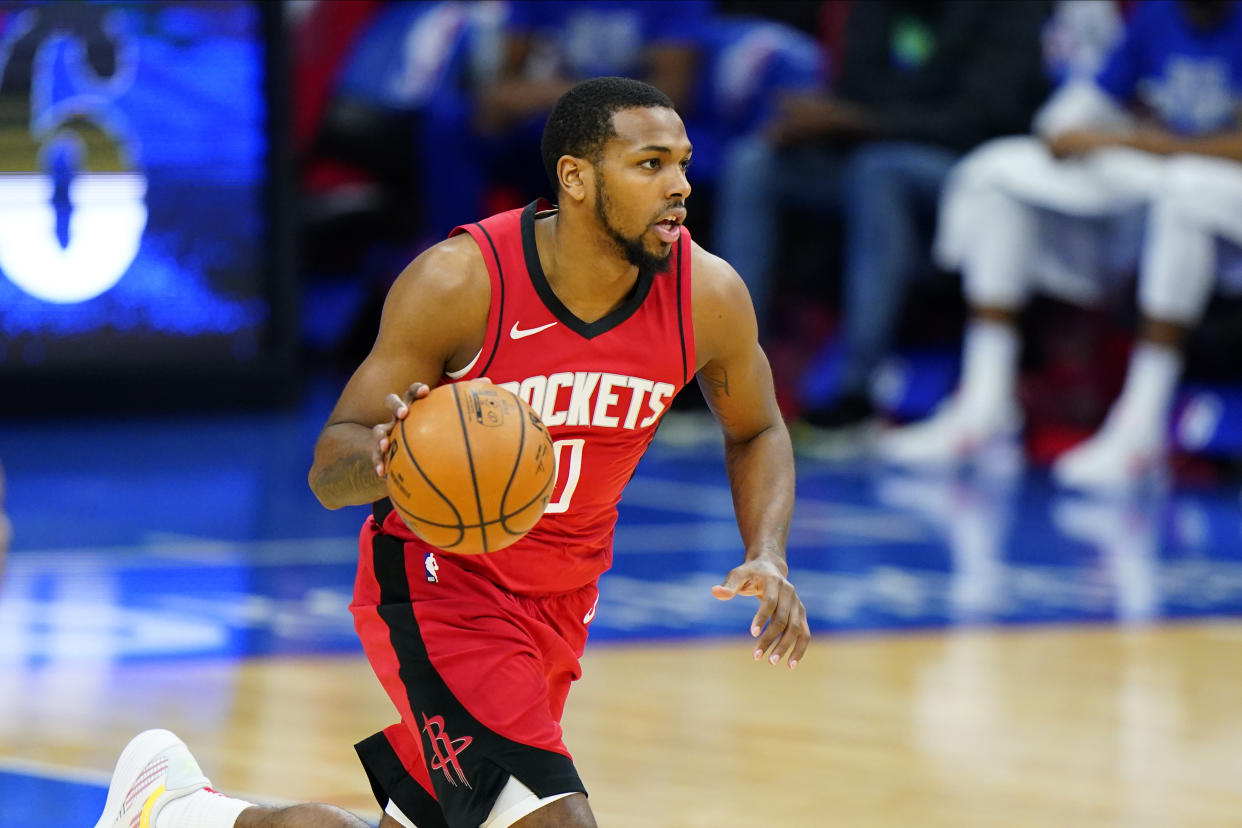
{"type": "Point", "coordinates": [389, 781]}
{"type": "Point", "coordinates": [468, 763]}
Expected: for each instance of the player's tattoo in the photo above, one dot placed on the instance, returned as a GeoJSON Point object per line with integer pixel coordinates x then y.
{"type": "Point", "coordinates": [349, 474]}
{"type": "Point", "coordinates": [717, 382]}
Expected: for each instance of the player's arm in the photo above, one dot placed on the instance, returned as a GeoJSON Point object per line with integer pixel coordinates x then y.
{"type": "Point", "coordinates": [434, 319]}
{"type": "Point", "coordinates": [1155, 140]}
{"type": "Point", "coordinates": [737, 384]}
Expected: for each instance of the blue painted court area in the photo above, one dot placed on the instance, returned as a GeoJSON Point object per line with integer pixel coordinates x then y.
{"type": "Point", "coordinates": [31, 797]}
{"type": "Point", "coordinates": [176, 539]}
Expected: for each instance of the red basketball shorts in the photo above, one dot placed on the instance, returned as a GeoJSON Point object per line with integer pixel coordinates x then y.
{"type": "Point", "coordinates": [479, 676]}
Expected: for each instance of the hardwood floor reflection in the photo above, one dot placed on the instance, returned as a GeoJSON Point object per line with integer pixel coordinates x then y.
{"type": "Point", "coordinates": [1023, 727]}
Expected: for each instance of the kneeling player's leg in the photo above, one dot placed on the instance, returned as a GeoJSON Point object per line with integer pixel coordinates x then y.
{"type": "Point", "coordinates": [158, 783]}
{"type": "Point", "coordinates": [518, 805]}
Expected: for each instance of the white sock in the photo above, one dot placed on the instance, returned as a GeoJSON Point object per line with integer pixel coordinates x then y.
{"type": "Point", "coordinates": [989, 369]}
{"type": "Point", "coordinates": [201, 809]}
{"type": "Point", "coordinates": [1142, 410]}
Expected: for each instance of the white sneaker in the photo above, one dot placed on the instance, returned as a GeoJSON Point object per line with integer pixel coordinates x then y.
{"type": "Point", "coordinates": [1111, 461]}
{"type": "Point", "coordinates": [949, 437]}
{"type": "Point", "coordinates": [155, 768]}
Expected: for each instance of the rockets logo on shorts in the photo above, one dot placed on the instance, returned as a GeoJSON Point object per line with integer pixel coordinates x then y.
{"type": "Point", "coordinates": [444, 750]}
{"type": "Point", "coordinates": [433, 568]}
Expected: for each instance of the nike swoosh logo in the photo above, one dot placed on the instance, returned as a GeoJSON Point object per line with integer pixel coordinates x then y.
{"type": "Point", "coordinates": [517, 333]}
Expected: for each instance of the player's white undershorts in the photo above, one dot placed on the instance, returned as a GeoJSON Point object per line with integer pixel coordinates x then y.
{"type": "Point", "coordinates": [514, 802]}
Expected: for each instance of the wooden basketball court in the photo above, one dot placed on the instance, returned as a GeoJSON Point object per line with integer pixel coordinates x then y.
{"type": "Point", "coordinates": [1063, 726]}
{"type": "Point", "coordinates": [986, 654]}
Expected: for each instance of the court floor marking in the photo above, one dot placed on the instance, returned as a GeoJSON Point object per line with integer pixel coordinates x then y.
{"type": "Point", "coordinates": [827, 522]}
{"type": "Point", "coordinates": [48, 770]}
{"type": "Point", "coordinates": [36, 769]}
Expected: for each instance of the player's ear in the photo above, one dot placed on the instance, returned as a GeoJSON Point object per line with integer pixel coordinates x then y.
{"type": "Point", "coordinates": [576, 176]}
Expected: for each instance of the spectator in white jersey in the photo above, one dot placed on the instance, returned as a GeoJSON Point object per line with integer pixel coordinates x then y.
{"type": "Point", "coordinates": [1140, 168]}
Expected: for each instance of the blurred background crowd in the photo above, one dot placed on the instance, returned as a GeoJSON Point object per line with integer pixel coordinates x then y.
{"type": "Point", "coordinates": [999, 238]}
{"type": "Point", "coordinates": [993, 221]}
{"type": "Point", "coordinates": [997, 198]}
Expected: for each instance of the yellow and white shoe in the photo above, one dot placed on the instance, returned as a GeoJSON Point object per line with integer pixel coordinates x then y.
{"type": "Point", "coordinates": [154, 769]}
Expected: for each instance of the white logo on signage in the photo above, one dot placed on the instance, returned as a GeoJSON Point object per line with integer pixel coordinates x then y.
{"type": "Point", "coordinates": [70, 235]}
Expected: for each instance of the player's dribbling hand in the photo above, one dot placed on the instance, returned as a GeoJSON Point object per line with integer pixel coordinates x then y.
{"type": "Point", "coordinates": [400, 408]}
{"type": "Point", "coordinates": [780, 624]}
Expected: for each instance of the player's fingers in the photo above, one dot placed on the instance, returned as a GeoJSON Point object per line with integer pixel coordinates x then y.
{"type": "Point", "coordinates": [776, 627]}
{"type": "Point", "coordinates": [380, 433]}
{"type": "Point", "coordinates": [416, 391]}
{"type": "Point", "coordinates": [768, 604]}
{"type": "Point", "coordinates": [804, 640]}
{"type": "Point", "coordinates": [793, 629]}
{"type": "Point", "coordinates": [396, 406]}
{"type": "Point", "coordinates": [734, 584]}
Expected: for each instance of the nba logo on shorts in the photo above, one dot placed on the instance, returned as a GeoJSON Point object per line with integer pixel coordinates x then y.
{"type": "Point", "coordinates": [432, 566]}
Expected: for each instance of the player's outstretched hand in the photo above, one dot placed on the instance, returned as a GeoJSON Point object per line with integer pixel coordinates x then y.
{"type": "Point", "coordinates": [780, 624]}
{"type": "Point", "coordinates": [400, 407]}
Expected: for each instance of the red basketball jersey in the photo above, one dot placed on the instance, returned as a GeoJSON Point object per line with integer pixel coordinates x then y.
{"type": "Point", "coordinates": [600, 387]}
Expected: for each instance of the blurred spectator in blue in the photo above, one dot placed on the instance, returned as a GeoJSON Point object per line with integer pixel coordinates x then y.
{"type": "Point", "coordinates": [549, 46]}
{"type": "Point", "coordinates": [1140, 167]}
{"type": "Point", "coordinates": [404, 103]}
{"type": "Point", "coordinates": [429, 109]}
{"type": "Point", "coordinates": [919, 84]}
{"type": "Point", "coordinates": [383, 108]}
{"type": "Point", "coordinates": [720, 70]}
{"type": "Point", "coordinates": [748, 62]}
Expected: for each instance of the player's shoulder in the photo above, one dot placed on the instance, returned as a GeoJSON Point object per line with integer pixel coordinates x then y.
{"type": "Point", "coordinates": [714, 281]}
{"type": "Point", "coordinates": [724, 318]}
{"type": "Point", "coordinates": [449, 271]}
{"type": "Point", "coordinates": [438, 305]}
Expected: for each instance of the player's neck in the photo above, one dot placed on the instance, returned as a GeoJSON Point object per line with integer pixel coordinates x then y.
{"type": "Point", "coordinates": [583, 266]}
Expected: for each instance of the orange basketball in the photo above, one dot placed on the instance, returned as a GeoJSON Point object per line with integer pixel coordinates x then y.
{"type": "Point", "coordinates": [470, 468]}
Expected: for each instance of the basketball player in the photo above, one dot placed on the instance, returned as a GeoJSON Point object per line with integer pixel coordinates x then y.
{"type": "Point", "coordinates": [597, 312]}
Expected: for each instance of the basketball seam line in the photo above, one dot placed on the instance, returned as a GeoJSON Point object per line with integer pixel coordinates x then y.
{"type": "Point", "coordinates": [463, 526]}
{"type": "Point", "coordinates": [474, 477]}
{"type": "Point", "coordinates": [405, 444]}
{"type": "Point", "coordinates": [508, 515]}
{"type": "Point", "coordinates": [516, 461]}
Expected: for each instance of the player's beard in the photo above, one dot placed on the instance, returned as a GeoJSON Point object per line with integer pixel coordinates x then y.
{"type": "Point", "coordinates": [631, 248]}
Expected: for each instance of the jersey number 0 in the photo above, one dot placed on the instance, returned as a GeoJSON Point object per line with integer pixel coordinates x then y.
{"type": "Point", "coordinates": [565, 492]}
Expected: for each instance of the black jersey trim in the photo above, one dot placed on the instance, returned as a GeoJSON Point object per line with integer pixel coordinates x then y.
{"type": "Point", "coordinates": [388, 560]}
{"type": "Point", "coordinates": [587, 330]}
{"type": "Point", "coordinates": [500, 313]}
{"type": "Point", "coordinates": [681, 322]}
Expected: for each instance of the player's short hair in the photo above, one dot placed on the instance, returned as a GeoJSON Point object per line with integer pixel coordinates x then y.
{"type": "Point", "coordinates": [581, 121]}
